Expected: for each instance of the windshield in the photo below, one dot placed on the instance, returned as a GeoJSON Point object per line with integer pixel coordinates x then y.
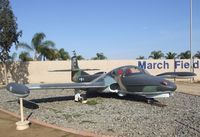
{"type": "Point", "coordinates": [135, 70]}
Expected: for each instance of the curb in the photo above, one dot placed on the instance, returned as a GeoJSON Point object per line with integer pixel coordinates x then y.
{"type": "Point", "coordinates": [70, 130]}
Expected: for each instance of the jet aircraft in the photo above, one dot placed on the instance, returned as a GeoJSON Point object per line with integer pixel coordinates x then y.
{"type": "Point", "coordinates": [123, 81]}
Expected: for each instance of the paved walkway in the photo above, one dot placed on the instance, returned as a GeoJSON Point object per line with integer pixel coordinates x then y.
{"type": "Point", "coordinates": [7, 129]}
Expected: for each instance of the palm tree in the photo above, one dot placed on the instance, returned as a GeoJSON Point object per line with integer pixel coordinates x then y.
{"type": "Point", "coordinates": [140, 57]}
{"type": "Point", "coordinates": [156, 54]}
{"type": "Point", "coordinates": [170, 55]}
{"type": "Point", "coordinates": [63, 54]}
{"type": "Point", "coordinates": [25, 56]}
{"type": "Point", "coordinates": [79, 57]}
{"type": "Point", "coordinates": [197, 55]}
{"type": "Point", "coordinates": [46, 54]}
{"type": "Point", "coordinates": [12, 57]}
{"type": "Point", "coordinates": [99, 56]}
{"type": "Point", "coordinates": [185, 55]}
{"type": "Point", "coordinates": [38, 45]}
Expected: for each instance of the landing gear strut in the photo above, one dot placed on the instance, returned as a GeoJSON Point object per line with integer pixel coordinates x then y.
{"type": "Point", "coordinates": [150, 100]}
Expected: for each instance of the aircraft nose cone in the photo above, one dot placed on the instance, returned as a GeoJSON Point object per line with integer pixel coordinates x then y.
{"type": "Point", "coordinates": [167, 85]}
{"type": "Point", "coordinates": [172, 86]}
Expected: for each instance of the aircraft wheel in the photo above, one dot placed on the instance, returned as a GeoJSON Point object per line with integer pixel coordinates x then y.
{"type": "Point", "coordinates": [150, 100]}
{"type": "Point", "coordinates": [77, 97]}
{"type": "Point", "coordinates": [80, 98]}
{"type": "Point", "coordinates": [83, 98]}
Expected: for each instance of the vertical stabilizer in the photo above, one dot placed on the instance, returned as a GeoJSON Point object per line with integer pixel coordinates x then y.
{"type": "Point", "coordinates": [74, 62]}
{"type": "Point", "coordinates": [76, 72]}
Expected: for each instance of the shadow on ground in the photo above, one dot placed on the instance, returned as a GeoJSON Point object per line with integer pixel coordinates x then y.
{"type": "Point", "coordinates": [33, 103]}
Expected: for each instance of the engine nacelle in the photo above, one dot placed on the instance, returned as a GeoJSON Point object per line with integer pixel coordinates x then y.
{"type": "Point", "coordinates": [113, 88]}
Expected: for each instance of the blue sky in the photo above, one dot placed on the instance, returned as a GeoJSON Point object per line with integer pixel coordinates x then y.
{"type": "Point", "coordinates": [121, 29]}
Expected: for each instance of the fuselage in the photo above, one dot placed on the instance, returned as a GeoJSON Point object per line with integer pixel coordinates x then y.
{"type": "Point", "coordinates": [132, 80]}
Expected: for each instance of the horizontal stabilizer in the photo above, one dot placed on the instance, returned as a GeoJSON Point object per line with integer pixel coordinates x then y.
{"type": "Point", "coordinates": [180, 75]}
{"type": "Point", "coordinates": [66, 70]}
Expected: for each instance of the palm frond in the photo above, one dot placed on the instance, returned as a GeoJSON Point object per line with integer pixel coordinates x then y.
{"type": "Point", "coordinates": [49, 43]}
{"type": "Point", "coordinates": [37, 40]}
{"type": "Point", "coordinates": [23, 46]}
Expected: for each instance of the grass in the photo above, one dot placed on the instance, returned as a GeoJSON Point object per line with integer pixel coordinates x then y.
{"type": "Point", "coordinates": [94, 101]}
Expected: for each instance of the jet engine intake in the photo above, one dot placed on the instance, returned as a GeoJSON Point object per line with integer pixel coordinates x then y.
{"type": "Point", "coordinates": [113, 88]}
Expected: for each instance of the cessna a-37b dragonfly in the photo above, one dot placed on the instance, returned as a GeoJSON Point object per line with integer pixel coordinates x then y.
{"type": "Point", "coordinates": [123, 81]}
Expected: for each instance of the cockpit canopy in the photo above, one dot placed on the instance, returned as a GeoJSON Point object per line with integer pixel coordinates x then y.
{"type": "Point", "coordinates": [128, 70]}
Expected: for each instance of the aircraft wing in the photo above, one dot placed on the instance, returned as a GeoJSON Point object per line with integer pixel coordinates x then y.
{"type": "Point", "coordinates": [85, 85]}
{"type": "Point", "coordinates": [177, 75]}
{"type": "Point", "coordinates": [22, 90]}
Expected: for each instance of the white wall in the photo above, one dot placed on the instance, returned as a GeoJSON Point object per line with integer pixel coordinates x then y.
{"type": "Point", "coordinates": [39, 71]}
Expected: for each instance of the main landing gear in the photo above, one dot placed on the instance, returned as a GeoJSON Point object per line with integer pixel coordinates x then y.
{"type": "Point", "coordinates": [80, 97]}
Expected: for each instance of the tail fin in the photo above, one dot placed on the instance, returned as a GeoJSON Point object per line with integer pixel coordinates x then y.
{"type": "Point", "coordinates": [76, 72]}
{"type": "Point", "coordinates": [74, 62]}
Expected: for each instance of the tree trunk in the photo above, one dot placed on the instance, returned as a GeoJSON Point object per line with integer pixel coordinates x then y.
{"type": "Point", "coordinates": [5, 73]}
{"type": "Point", "coordinates": [35, 56]}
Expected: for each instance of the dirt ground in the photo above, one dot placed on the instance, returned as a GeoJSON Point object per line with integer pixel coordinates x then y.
{"type": "Point", "coordinates": [189, 88]}
{"type": "Point", "coordinates": [8, 129]}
